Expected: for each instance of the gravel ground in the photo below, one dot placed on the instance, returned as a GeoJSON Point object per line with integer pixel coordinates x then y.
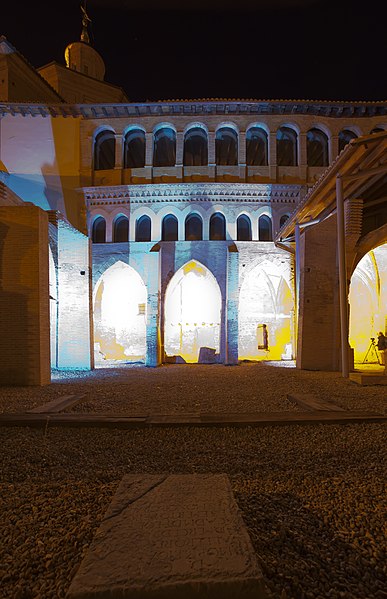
{"type": "Point", "coordinates": [177, 389]}
{"type": "Point", "coordinates": [313, 499]}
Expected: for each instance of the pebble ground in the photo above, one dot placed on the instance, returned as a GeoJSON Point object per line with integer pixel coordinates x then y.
{"type": "Point", "coordinates": [313, 497]}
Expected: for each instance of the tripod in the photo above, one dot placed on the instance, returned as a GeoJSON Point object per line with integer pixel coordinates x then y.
{"type": "Point", "coordinates": [372, 352]}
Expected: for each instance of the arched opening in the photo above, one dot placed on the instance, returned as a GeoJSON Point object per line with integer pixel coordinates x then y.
{"type": "Point", "coordinates": [192, 314]}
{"type": "Point", "coordinates": [226, 147]}
{"type": "Point", "coordinates": [134, 149]}
{"type": "Point", "coordinates": [265, 298]}
{"type": "Point", "coordinates": [120, 316]}
{"type": "Point", "coordinates": [368, 305]}
{"type": "Point", "coordinates": [287, 147]}
{"type": "Point", "coordinates": [193, 228]}
{"type": "Point", "coordinates": [164, 147]}
{"type": "Point", "coordinates": [316, 148]}
{"type": "Point", "coordinates": [143, 228]}
{"type": "Point", "coordinates": [283, 219]}
{"type": "Point", "coordinates": [104, 150]}
{"type": "Point", "coordinates": [169, 228]}
{"type": "Point", "coordinates": [256, 147]}
{"type": "Point", "coordinates": [195, 147]}
{"type": "Point", "coordinates": [121, 229]}
{"type": "Point", "coordinates": [98, 234]}
{"type": "Point", "coordinates": [265, 232]}
{"type": "Point", "coordinates": [377, 130]}
{"type": "Point", "coordinates": [243, 228]}
{"type": "Point", "coordinates": [345, 137]}
{"type": "Point", "coordinates": [217, 227]}
{"type": "Point", "coordinates": [53, 309]}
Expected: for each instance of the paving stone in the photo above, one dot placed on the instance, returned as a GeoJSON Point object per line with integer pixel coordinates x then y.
{"type": "Point", "coordinates": [57, 405]}
{"type": "Point", "coordinates": [177, 536]}
{"type": "Point", "coordinates": [308, 401]}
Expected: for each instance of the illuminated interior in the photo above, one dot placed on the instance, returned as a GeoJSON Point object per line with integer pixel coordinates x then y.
{"type": "Point", "coordinates": [120, 316]}
{"type": "Point", "coordinates": [192, 313]}
{"type": "Point", "coordinates": [265, 298]}
{"type": "Point", "coordinates": [368, 303]}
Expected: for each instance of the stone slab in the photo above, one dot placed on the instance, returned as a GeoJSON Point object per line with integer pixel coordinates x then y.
{"type": "Point", "coordinates": [57, 405]}
{"type": "Point", "coordinates": [167, 537]}
{"type": "Point", "coordinates": [368, 378]}
{"type": "Point", "coordinates": [308, 401]}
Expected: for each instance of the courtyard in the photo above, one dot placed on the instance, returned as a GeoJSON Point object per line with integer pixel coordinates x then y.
{"type": "Point", "coordinates": [312, 496]}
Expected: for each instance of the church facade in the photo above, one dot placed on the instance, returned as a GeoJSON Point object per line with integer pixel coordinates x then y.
{"type": "Point", "coordinates": [165, 232]}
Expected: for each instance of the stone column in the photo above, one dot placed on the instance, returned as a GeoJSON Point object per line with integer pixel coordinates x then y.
{"type": "Point", "coordinates": [333, 148]}
{"type": "Point", "coordinates": [211, 148]}
{"type": "Point", "coordinates": [302, 156]}
{"type": "Point", "coordinates": [148, 149]}
{"type": "Point", "coordinates": [153, 347]}
{"type": "Point", "coordinates": [231, 317]}
{"type": "Point", "coordinates": [272, 157]}
{"type": "Point", "coordinates": [179, 148]}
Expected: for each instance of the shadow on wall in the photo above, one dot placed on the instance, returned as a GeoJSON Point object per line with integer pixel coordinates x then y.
{"type": "Point", "coordinates": [13, 317]}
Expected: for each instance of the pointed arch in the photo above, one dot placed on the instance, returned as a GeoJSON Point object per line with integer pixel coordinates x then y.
{"type": "Point", "coordinates": [265, 298]}
{"type": "Point", "coordinates": [169, 228]}
{"type": "Point", "coordinates": [98, 231]}
{"type": "Point", "coordinates": [193, 227]}
{"type": "Point", "coordinates": [120, 299]}
{"type": "Point", "coordinates": [104, 150]}
{"type": "Point", "coordinates": [144, 228]}
{"type": "Point", "coordinates": [217, 227]}
{"type": "Point", "coordinates": [192, 313]}
{"type": "Point", "coordinates": [265, 229]}
{"type": "Point", "coordinates": [121, 229]}
{"type": "Point", "coordinates": [243, 228]}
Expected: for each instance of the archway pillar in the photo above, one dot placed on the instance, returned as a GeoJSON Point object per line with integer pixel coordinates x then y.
{"type": "Point", "coordinates": [230, 304]}
{"type": "Point", "coordinates": [153, 342]}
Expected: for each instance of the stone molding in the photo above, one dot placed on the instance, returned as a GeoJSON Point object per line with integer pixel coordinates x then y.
{"type": "Point", "coordinates": [198, 192]}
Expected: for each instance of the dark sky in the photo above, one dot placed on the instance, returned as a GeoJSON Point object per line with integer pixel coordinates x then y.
{"type": "Point", "coordinates": [261, 49]}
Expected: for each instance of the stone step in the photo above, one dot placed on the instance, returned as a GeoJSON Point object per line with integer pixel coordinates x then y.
{"type": "Point", "coordinates": [368, 378]}
{"type": "Point", "coordinates": [57, 405]}
{"type": "Point", "coordinates": [171, 537]}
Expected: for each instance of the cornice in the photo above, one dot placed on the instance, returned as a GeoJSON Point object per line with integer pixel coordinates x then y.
{"type": "Point", "coordinates": [192, 192]}
{"type": "Point", "coordinates": [192, 108]}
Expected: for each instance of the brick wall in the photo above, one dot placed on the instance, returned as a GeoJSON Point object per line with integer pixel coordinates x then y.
{"type": "Point", "coordinates": [24, 296]}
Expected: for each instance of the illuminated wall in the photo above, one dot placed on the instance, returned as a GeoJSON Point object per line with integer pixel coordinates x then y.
{"type": "Point", "coordinates": [192, 313]}
{"type": "Point", "coordinates": [42, 157]}
{"type": "Point", "coordinates": [53, 291]}
{"type": "Point", "coordinates": [120, 299]}
{"type": "Point", "coordinates": [368, 301]}
{"type": "Point", "coordinates": [265, 298]}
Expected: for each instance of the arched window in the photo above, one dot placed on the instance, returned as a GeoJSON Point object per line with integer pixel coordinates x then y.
{"type": "Point", "coordinates": [143, 228]}
{"type": "Point", "coordinates": [316, 148]}
{"type": "Point", "coordinates": [345, 137]}
{"type": "Point", "coordinates": [195, 147]}
{"type": "Point", "coordinates": [170, 228]}
{"type": "Point", "coordinates": [283, 219]}
{"type": "Point", "coordinates": [104, 151]}
{"type": "Point", "coordinates": [286, 147]}
{"type": "Point", "coordinates": [193, 228]}
{"type": "Point", "coordinates": [226, 146]}
{"type": "Point", "coordinates": [98, 234]}
{"type": "Point", "coordinates": [218, 227]}
{"type": "Point", "coordinates": [121, 230]}
{"type": "Point", "coordinates": [264, 228]}
{"type": "Point", "coordinates": [377, 130]}
{"type": "Point", "coordinates": [164, 148]}
{"type": "Point", "coordinates": [256, 147]}
{"type": "Point", "coordinates": [243, 228]}
{"type": "Point", "coordinates": [134, 149]}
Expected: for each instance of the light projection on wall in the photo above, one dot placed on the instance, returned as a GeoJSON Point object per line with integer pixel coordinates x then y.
{"type": "Point", "coordinates": [265, 298]}
{"type": "Point", "coordinates": [120, 316]}
{"type": "Point", "coordinates": [53, 310]}
{"type": "Point", "coordinates": [192, 313]}
{"type": "Point", "coordinates": [368, 302]}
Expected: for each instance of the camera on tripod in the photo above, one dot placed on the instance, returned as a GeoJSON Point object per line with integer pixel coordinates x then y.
{"type": "Point", "coordinates": [373, 340]}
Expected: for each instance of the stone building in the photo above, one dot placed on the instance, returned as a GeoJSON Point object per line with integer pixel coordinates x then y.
{"type": "Point", "coordinates": [164, 231]}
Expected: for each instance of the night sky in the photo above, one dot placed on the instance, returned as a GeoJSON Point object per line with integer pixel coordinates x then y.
{"type": "Point", "coordinates": [263, 49]}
